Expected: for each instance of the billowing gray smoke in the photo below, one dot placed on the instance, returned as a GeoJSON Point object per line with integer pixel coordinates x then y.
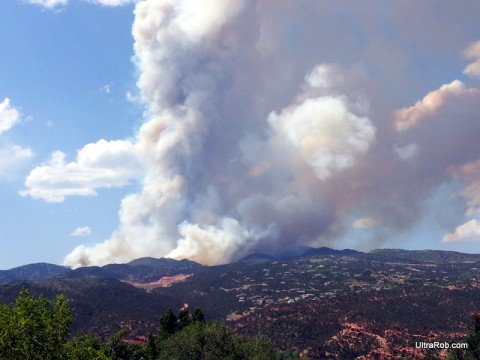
{"type": "Point", "coordinates": [260, 134]}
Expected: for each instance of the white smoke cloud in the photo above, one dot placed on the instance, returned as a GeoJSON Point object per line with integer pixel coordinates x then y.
{"type": "Point", "coordinates": [407, 152]}
{"type": "Point", "coordinates": [326, 133]}
{"type": "Point", "coordinates": [470, 174]}
{"type": "Point", "coordinates": [185, 58]}
{"type": "Point", "coordinates": [447, 143]}
{"type": "Point", "coordinates": [473, 52]}
{"type": "Point", "coordinates": [366, 223]}
{"type": "Point", "coordinates": [472, 193]}
{"type": "Point", "coordinates": [213, 244]}
{"type": "Point", "coordinates": [324, 76]}
{"type": "Point", "coordinates": [173, 40]}
{"type": "Point", "coordinates": [102, 164]}
{"type": "Point", "coordinates": [261, 132]}
{"type": "Point", "coordinates": [429, 105]}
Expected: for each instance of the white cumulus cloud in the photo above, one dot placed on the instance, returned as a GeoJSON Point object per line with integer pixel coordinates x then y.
{"type": "Point", "coordinates": [9, 116]}
{"type": "Point", "coordinates": [466, 232]}
{"type": "Point", "coordinates": [12, 156]}
{"type": "Point", "coordinates": [82, 231]}
{"type": "Point", "coordinates": [103, 164]}
{"type": "Point", "coordinates": [49, 4]}
{"type": "Point", "coordinates": [112, 2]}
{"type": "Point", "coordinates": [53, 4]}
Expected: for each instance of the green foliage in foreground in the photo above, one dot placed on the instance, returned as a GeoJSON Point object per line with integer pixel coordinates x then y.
{"type": "Point", "coordinates": [189, 336]}
{"type": "Point", "coordinates": [202, 340]}
{"type": "Point", "coordinates": [473, 341]}
{"type": "Point", "coordinates": [38, 328]}
{"type": "Point", "coordinates": [34, 328]}
{"type": "Point", "coordinates": [84, 347]}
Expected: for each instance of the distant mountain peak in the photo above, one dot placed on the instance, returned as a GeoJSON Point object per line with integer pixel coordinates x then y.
{"type": "Point", "coordinates": [297, 252]}
{"type": "Point", "coordinates": [37, 271]}
{"type": "Point", "coordinates": [256, 257]}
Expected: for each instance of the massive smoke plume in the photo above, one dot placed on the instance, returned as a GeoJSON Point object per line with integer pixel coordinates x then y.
{"type": "Point", "coordinates": [270, 124]}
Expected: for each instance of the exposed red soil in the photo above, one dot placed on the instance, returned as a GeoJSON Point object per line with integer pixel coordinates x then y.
{"type": "Point", "coordinates": [165, 281]}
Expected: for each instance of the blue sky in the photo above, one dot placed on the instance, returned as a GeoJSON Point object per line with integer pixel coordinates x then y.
{"type": "Point", "coordinates": [207, 131]}
{"type": "Point", "coordinates": [67, 71]}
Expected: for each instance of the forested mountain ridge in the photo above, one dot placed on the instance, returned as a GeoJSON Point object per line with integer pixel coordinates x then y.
{"type": "Point", "coordinates": [150, 269]}
{"type": "Point", "coordinates": [139, 270]}
{"type": "Point", "coordinates": [324, 303]}
{"type": "Point", "coordinates": [36, 271]}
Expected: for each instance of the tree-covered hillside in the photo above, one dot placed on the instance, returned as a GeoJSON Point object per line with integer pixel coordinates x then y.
{"type": "Point", "coordinates": [35, 328]}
